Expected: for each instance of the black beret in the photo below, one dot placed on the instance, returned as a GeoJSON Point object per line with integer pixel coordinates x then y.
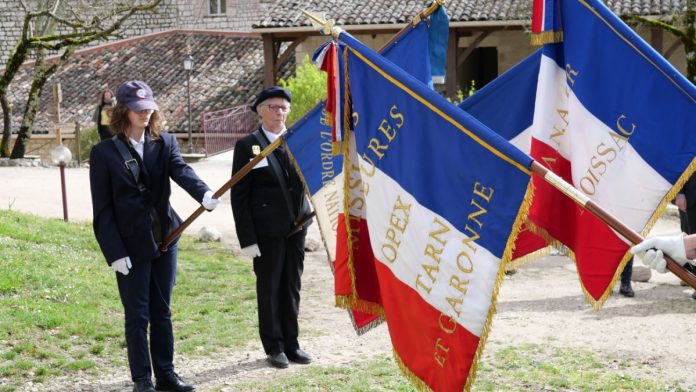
{"type": "Point", "coordinates": [271, 92]}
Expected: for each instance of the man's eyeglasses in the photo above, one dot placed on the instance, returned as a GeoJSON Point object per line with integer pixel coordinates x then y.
{"type": "Point", "coordinates": [282, 108]}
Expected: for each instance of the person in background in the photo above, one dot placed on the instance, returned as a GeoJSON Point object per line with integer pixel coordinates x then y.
{"type": "Point", "coordinates": [130, 184]}
{"type": "Point", "coordinates": [271, 217]}
{"type": "Point", "coordinates": [686, 203]}
{"type": "Point", "coordinates": [626, 289]}
{"type": "Point", "coordinates": [102, 114]}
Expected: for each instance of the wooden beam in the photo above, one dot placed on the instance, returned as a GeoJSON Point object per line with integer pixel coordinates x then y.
{"type": "Point", "coordinates": [471, 47]}
{"type": "Point", "coordinates": [656, 39]}
{"type": "Point", "coordinates": [451, 64]}
{"type": "Point", "coordinates": [288, 52]}
{"type": "Point", "coordinates": [672, 49]}
{"type": "Point", "coordinates": [269, 60]}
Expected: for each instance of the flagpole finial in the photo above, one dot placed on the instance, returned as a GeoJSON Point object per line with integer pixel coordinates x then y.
{"type": "Point", "coordinates": [326, 27]}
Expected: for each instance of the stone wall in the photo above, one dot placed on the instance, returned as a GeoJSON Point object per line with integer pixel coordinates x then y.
{"type": "Point", "coordinates": [171, 14]}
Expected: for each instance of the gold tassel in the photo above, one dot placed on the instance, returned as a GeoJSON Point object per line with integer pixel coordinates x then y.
{"type": "Point", "coordinates": [546, 37]}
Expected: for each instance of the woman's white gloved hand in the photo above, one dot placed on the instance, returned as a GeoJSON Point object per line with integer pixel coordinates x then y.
{"type": "Point", "coordinates": [251, 251]}
{"type": "Point", "coordinates": [208, 202]}
{"type": "Point", "coordinates": [122, 265]}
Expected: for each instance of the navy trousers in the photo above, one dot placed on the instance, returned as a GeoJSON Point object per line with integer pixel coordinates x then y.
{"type": "Point", "coordinates": [626, 273]}
{"type": "Point", "coordinates": [278, 273]}
{"type": "Point", "coordinates": [146, 293]}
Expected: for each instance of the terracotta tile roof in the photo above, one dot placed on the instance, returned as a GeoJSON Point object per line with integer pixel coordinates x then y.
{"type": "Point", "coordinates": [228, 71]}
{"type": "Point", "coordinates": [360, 12]}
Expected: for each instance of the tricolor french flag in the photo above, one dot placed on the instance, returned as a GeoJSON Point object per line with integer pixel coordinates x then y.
{"type": "Point", "coordinates": [442, 199]}
{"type": "Point", "coordinates": [310, 143]}
{"type": "Point", "coordinates": [326, 58]}
{"type": "Point", "coordinates": [546, 22]}
{"type": "Point", "coordinates": [609, 115]}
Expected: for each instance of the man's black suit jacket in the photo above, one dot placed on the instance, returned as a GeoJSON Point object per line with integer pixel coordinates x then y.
{"type": "Point", "coordinates": [121, 220]}
{"type": "Point", "coordinates": [258, 204]}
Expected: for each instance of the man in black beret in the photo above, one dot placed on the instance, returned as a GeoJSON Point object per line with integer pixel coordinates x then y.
{"type": "Point", "coordinates": [270, 210]}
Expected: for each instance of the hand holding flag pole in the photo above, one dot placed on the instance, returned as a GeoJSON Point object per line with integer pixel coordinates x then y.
{"type": "Point", "coordinates": [594, 208]}
{"type": "Point", "coordinates": [229, 184]}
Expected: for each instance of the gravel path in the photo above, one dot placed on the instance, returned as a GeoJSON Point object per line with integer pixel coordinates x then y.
{"type": "Point", "coordinates": [542, 303]}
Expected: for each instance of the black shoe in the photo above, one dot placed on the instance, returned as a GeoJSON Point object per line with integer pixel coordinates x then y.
{"type": "Point", "coordinates": [172, 382]}
{"type": "Point", "coordinates": [626, 290]}
{"type": "Point", "coordinates": [299, 356]}
{"type": "Point", "coordinates": [278, 360]}
{"type": "Point", "coordinates": [693, 295]}
{"type": "Point", "coordinates": [143, 386]}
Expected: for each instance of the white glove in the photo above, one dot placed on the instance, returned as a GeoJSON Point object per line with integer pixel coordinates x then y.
{"type": "Point", "coordinates": [122, 265]}
{"type": "Point", "coordinates": [208, 202]}
{"type": "Point", "coordinates": [655, 259]}
{"type": "Point", "coordinates": [672, 245]}
{"type": "Point", "coordinates": [251, 251]}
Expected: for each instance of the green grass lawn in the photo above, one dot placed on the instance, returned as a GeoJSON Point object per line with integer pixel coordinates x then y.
{"type": "Point", "coordinates": [60, 315]}
{"type": "Point", "coordinates": [519, 368]}
{"type": "Point", "coordinates": [60, 311]}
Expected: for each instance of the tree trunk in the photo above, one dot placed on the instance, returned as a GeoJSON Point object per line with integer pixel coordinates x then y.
{"type": "Point", "coordinates": [42, 72]}
{"type": "Point", "coordinates": [33, 101]}
{"type": "Point", "coordinates": [7, 128]}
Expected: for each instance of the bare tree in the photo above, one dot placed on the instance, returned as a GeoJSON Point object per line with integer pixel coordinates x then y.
{"type": "Point", "coordinates": [683, 26]}
{"type": "Point", "coordinates": [56, 26]}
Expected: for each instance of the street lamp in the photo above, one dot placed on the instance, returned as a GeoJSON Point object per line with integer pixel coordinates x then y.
{"type": "Point", "coordinates": [60, 156]}
{"type": "Point", "coordinates": [188, 66]}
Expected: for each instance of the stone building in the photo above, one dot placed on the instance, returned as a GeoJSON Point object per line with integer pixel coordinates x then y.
{"type": "Point", "coordinates": [224, 15]}
{"type": "Point", "coordinates": [241, 45]}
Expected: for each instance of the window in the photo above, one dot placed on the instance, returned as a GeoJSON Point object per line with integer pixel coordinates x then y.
{"type": "Point", "coordinates": [218, 7]}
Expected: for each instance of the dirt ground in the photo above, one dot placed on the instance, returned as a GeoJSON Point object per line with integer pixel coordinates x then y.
{"type": "Point", "coordinates": [542, 303]}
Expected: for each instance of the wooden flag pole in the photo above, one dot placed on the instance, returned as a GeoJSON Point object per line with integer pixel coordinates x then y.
{"type": "Point", "coordinates": [417, 19]}
{"type": "Point", "coordinates": [229, 184]}
{"type": "Point", "coordinates": [594, 208]}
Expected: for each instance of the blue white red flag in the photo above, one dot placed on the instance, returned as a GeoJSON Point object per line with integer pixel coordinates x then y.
{"type": "Point", "coordinates": [322, 171]}
{"type": "Point", "coordinates": [442, 198]}
{"type": "Point", "coordinates": [517, 85]}
{"type": "Point", "coordinates": [546, 22]}
{"type": "Point", "coordinates": [609, 115]}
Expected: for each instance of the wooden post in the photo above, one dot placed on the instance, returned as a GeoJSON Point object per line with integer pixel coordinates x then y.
{"type": "Point", "coordinates": [269, 61]}
{"type": "Point", "coordinates": [57, 98]}
{"type": "Point", "coordinates": [78, 145]}
{"type": "Point", "coordinates": [451, 70]}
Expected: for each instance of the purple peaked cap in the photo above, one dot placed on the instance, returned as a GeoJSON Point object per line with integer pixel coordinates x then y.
{"type": "Point", "coordinates": [136, 95]}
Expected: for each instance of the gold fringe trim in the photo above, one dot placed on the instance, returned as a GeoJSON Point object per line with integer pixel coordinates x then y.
{"type": "Point", "coordinates": [546, 37]}
{"type": "Point", "coordinates": [507, 256]}
{"type": "Point", "coordinates": [520, 261]}
{"type": "Point", "coordinates": [346, 180]}
{"type": "Point", "coordinates": [367, 327]}
{"type": "Point", "coordinates": [551, 241]}
{"type": "Point", "coordinates": [669, 196]}
{"type": "Point", "coordinates": [659, 211]}
{"type": "Point", "coordinates": [354, 303]}
{"type": "Point", "coordinates": [417, 382]}
{"type": "Point", "coordinates": [337, 146]}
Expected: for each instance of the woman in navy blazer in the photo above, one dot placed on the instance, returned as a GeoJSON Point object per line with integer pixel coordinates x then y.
{"type": "Point", "coordinates": [124, 228]}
